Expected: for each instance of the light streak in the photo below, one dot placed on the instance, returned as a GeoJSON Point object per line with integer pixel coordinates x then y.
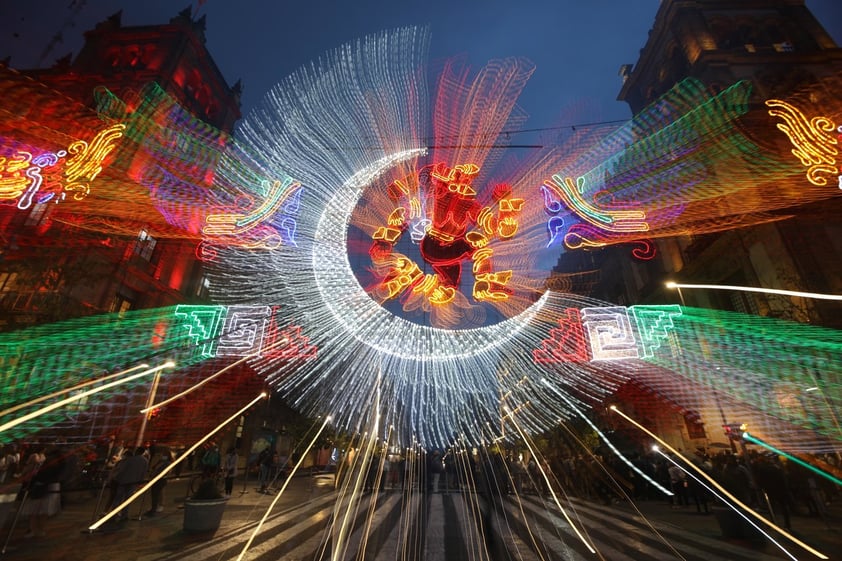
{"type": "Point", "coordinates": [549, 485]}
{"type": "Point", "coordinates": [208, 379]}
{"type": "Point", "coordinates": [724, 491]}
{"type": "Point", "coordinates": [814, 469]}
{"type": "Point", "coordinates": [82, 395]}
{"type": "Point", "coordinates": [608, 442]}
{"type": "Point", "coordinates": [778, 291]}
{"type": "Point", "coordinates": [172, 465]}
{"type": "Point", "coordinates": [68, 390]}
{"type": "Point", "coordinates": [280, 493]}
{"type": "Point", "coordinates": [721, 498]}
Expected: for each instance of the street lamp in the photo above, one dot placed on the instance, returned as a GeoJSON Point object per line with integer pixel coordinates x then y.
{"type": "Point", "coordinates": [671, 285]}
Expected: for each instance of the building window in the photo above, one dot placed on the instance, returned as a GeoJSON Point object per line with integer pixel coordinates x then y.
{"type": "Point", "coordinates": [7, 281]}
{"type": "Point", "coordinates": [121, 305]}
{"type": "Point", "coordinates": [145, 245]}
{"type": "Point", "coordinates": [203, 287]}
{"type": "Point", "coordinates": [36, 215]}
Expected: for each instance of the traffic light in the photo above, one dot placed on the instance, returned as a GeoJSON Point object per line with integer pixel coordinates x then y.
{"type": "Point", "coordinates": [735, 431]}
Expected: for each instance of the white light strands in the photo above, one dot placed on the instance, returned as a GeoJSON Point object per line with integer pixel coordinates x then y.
{"type": "Point", "coordinates": [610, 333]}
{"type": "Point", "coordinates": [243, 330]}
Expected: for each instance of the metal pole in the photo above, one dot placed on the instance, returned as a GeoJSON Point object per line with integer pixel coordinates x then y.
{"type": "Point", "coordinates": [99, 501]}
{"type": "Point", "coordinates": [15, 521]}
{"type": "Point", "coordinates": [150, 399]}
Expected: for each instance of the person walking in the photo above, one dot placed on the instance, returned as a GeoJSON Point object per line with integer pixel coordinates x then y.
{"type": "Point", "coordinates": [43, 497]}
{"type": "Point", "coordinates": [211, 461]}
{"type": "Point", "coordinates": [160, 462]}
{"type": "Point", "coordinates": [678, 483]}
{"type": "Point", "coordinates": [127, 475]}
{"type": "Point", "coordinates": [264, 462]}
{"type": "Point", "coordinates": [230, 468]}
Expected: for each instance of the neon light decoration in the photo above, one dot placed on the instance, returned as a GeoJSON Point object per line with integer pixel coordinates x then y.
{"type": "Point", "coordinates": [566, 342]}
{"type": "Point", "coordinates": [23, 175]}
{"type": "Point", "coordinates": [241, 331]}
{"type": "Point", "coordinates": [612, 334]}
{"type": "Point", "coordinates": [444, 238]}
{"type": "Point", "coordinates": [814, 141]}
{"type": "Point", "coordinates": [681, 166]}
{"type": "Point", "coordinates": [43, 359]}
{"type": "Point", "coordinates": [391, 167]}
{"type": "Point", "coordinates": [363, 128]}
{"type": "Point", "coordinates": [654, 326]}
{"type": "Point", "coordinates": [235, 228]}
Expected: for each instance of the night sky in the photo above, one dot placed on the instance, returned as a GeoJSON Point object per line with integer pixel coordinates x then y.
{"type": "Point", "coordinates": [578, 47]}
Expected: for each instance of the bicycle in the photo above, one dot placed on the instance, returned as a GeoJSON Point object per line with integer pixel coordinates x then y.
{"type": "Point", "coordinates": [197, 480]}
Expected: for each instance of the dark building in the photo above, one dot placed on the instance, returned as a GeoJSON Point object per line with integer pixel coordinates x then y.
{"type": "Point", "coordinates": [55, 266]}
{"type": "Point", "coordinates": [783, 52]}
{"type": "Point", "coordinates": [94, 154]}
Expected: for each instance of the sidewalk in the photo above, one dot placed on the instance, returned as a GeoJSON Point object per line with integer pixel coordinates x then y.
{"type": "Point", "coordinates": [146, 538]}
{"type": "Point", "coordinates": [162, 537]}
{"type": "Point", "coordinates": [824, 535]}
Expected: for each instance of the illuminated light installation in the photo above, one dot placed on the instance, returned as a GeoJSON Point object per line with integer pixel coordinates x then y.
{"type": "Point", "coordinates": [84, 161]}
{"type": "Point", "coordinates": [685, 163]}
{"type": "Point", "coordinates": [167, 175]}
{"type": "Point", "coordinates": [238, 224]}
{"type": "Point", "coordinates": [815, 140]}
{"type": "Point", "coordinates": [566, 342]}
{"type": "Point", "coordinates": [41, 363]}
{"type": "Point", "coordinates": [445, 241]}
{"type": "Point", "coordinates": [611, 334]}
{"type": "Point", "coordinates": [431, 368]}
{"type": "Point", "coordinates": [23, 175]}
{"type": "Point", "coordinates": [754, 368]}
{"type": "Point", "coordinates": [241, 331]}
{"type": "Point", "coordinates": [606, 219]}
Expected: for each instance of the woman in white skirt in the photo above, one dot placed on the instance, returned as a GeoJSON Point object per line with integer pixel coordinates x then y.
{"type": "Point", "coordinates": [43, 498]}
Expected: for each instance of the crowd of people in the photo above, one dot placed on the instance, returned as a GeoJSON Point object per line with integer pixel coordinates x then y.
{"type": "Point", "coordinates": [44, 475]}
{"type": "Point", "coordinates": [116, 469]}
{"type": "Point", "coordinates": [761, 480]}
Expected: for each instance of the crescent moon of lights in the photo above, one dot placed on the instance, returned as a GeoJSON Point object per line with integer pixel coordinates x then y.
{"type": "Point", "coordinates": [365, 319]}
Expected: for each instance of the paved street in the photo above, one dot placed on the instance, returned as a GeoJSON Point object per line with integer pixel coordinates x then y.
{"type": "Point", "coordinates": [444, 526]}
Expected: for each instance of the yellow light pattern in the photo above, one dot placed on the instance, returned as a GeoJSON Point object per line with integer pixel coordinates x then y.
{"type": "Point", "coordinates": [610, 220]}
{"type": "Point", "coordinates": [477, 240]}
{"type": "Point", "coordinates": [236, 224]}
{"type": "Point", "coordinates": [407, 273]}
{"type": "Point", "coordinates": [391, 235]}
{"type": "Point", "coordinates": [13, 179]}
{"type": "Point", "coordinates": [813, 139]}
{"type": "Point", "coordinates": [86, 161]}
{"type": "Point", "coordinates": [488, 285]}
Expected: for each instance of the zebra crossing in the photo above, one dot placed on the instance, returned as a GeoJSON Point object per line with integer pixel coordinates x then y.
{"type": "Point", "coordinates": [415, 527]}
